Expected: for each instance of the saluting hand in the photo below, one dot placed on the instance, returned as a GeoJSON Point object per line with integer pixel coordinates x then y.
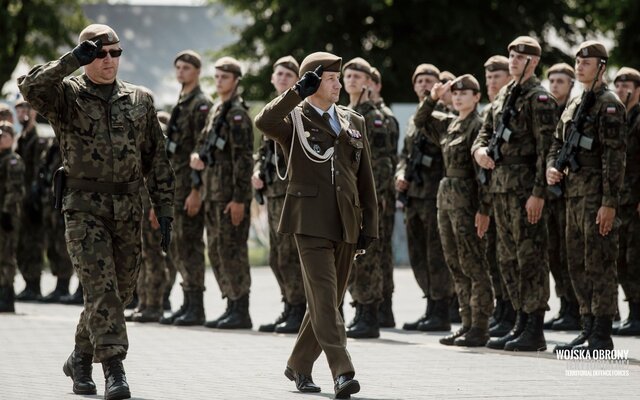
{"type": "Point", "coordinates": [309, 83]}
{"type": "Point", "coordinates": [605, 218]}
{"type": "Point", "coordinates": [237, 212]}
{"type": "Point", "coordinates": [439, 90]}
{"type": "Point", "coordinates": [87, 51]}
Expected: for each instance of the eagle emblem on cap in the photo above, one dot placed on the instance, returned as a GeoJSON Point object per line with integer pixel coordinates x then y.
{"type": "Point", "coordinates": [459, 85]}
{"type": "Point", "coordinates": [110, 36]}
{"type": "Point", "coordinates": [585, 52]}
{"type": "Point", "coordinates": [521, 47]}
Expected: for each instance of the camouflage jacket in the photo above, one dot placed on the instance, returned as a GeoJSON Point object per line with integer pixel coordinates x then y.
{"type": "Point", "coordinates": [230, 176]}
{"type": "Point", "coordinates": [606, 126]}
{"type": "Point", "coordinates": [277, 187]}
{"type": "Point", "coordinates": [112, 140]}
{"type": "Point", "coordinates": [11, 182]}
{"type": "Point", "coordinates": [190, 115]}
{"type": "Point", "coordinates": [630, 194]}
{"type": "Point", "coordinates": [524, 165]}
{"type": "Point", "coordinates": [30, 147]}
{"type": "Point", "coordinates": [394, 128]}
{"type": "Point", "coordinates": [458, 187]}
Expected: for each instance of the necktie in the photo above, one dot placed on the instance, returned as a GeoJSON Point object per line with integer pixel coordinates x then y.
{"type": "Point", "coordinates": [327, 117]}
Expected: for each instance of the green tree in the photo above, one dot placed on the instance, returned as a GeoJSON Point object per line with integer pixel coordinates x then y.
{"type": "Point", "coordinates": [36, 28]}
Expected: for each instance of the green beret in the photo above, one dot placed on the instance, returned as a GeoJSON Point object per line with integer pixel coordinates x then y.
{"type": "Point", "coordinates": [525, 45]}
{"type": "Point", "coordinates": [98, 31]}
{"type": "Point", "coordinates": [592, 48]}
{"type": "Point", "coordinates": [497, 63]}
{"type": "Point", "coordinates": [330, 62]}
{"type": "Point", "coordinates": [425, 69]}
{"type": "Point", "coordinates": [465, 82]}
{"type": "Point", "coordinates": [562, 68]}
{"type": "Point", "coordinates": [359, 64]}
{"type": "Point", "coordinates": [375, 75]}
{"type": "Point", "coordinates": [229, 64]}
{"type": "Point", "coordinates": [289, 63]}
{"type": "Point", "coordinates": [446, 76]}
{"type": "Point", "coordinates": [626, 74]}
{"type": "Point", "coordinates": [189, 56]}
{"type": "Point", "coordinates": [6, 127]}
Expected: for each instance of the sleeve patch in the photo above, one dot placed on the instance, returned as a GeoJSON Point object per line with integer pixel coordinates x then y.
{"type": "Point", "coordinates": [204, 108]}
{"type": "Point", "coordinates": [378, 123]}
{"type": "Point", "coordinates": [611, 110]}
{"type": "Point", "coordinates": [13, 161]}
{"type": "Point", "coordinates": [543, 98]}
{"type": "Point", "coordinates": [237, 118]}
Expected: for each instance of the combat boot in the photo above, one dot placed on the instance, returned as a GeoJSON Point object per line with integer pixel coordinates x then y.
{"type": "Point", "coordinates": [294, 319]}
{"type": "Point", "coordinates": [133, 304]}
{"type": "Point", "coordinates": [179, 312]}
{"type": "Point", "coordinates": [505, 325]}
{"type": "Point", "coordinates": [166, 302]}
{"type": "Point", "coordinates": [532, 337]}
{"type": "Point", "coordinates": [31, 292]}
{"type": "Point", "coordinates": [587, 327]}
{"type": "Point", "coordinates": [7, 299]}
{"type": "Point", "coordinates": [454, 311]}
{"type": "Point", "coordinates": [631, 326]}
{"type": "Point", "coordinates": [367, 326]}
{"type": "Point", "coordinates": [115, 380]}
{"type": "Point", "coordinates": [600, 338]}
{"type": "Point", "coordinates": [385, 314]}
{"type": "Point", "coordinates": [149, 314]}
{"type": "Point", "coordinates": [563, 307]}
{"type": "Point", "coordinates": [62, 289]}
{"type": "Point", "coordinates": [476, 337]}
{"type": "Point", "coordinates": [239, 317]}
{"type": "Point", "coordinates": [225, 314]}
{"type": "Point", "coordinates": [281, 318]}
{"type": "Point", "coordinates": [439, 319]}
{"type": "Point", "coordinates": [570, 320]}
{"type": "Point", "coordinates": [518, 328]}
{"type": "Point", "coordinates": [357, 316]}
{"type": "Point", "coordinates": [497, 312]}
{"type": "Point", "coordinates": [79, 368]}
{"type": "Point", "coordinates": [413, 326]}
{"type": "Point", "coordinates": [449, 339]}
{"type": "Point", "coordinates": [194, 315]}
{"type": "Point", "coordinates": [76, 298]}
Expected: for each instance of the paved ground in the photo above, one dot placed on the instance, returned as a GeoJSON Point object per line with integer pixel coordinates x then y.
{"type": "Point", "coordinates": [198, 363]}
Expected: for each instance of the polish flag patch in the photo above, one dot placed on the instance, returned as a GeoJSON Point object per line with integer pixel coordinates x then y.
{"type": "Point", "coordinates": [543, 98]}
{"type": "Point", "coordinates": [237, 118]}
{"type": "Point", "coordinates": [377, 123]}
{"type": "Point", "coordinates": [611, 110]}
{"type": "Point", "coordinates": [204, 108]}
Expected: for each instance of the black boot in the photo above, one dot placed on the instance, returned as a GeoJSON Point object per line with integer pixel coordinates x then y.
{"type": "Point", "coordinates": [225, 314]}
{"type": "Point", "coordinates": [497, 312]}
{"type": "Point", "coordinates": [62, 289]}
{"type": "Point", "coordinates": [239, 317]}
{"type": "Point", "coordinates": [448, 340]}
{"type": "Point", "coordinates": [476, 337]}
{"type": "Point", "coordinates": [79, 368]}
{"type": "Point", "coordinates": [75, 298]}
{"type": "Point", "coordinates": [179, 312]}
{"type": "Point", "coordinates": [166, 303]}
{"type": "Point", "coordinates": [7, 299]}
{"type": "Point", "coordinates": [454, 311]}
{"type": "Point", "coordinates": [294, 320]}
{"type": "Point", "coordinates": [439, 319]}
{"type": "Point", "coordinates": [563, 308]}
{"type": "Point", "coordinates": [532, 338]}
{"type": "Point", "coordinates": [631, 326]}
{"type": "Point", "coordinates": [385, 314]}
{"type": "Point", "coordinates": [413, 326]}
{"type": "Point", "coordinates": [518, 328]}
{"type": "Point", "coordinates": [194, 315]}
{"type": "Point", "coordinates": [367, 326]}
{"type": "Point", "coordinates": [115, 381]}
{"type": "Point", "coordinates": [505, 325]}
{"type": "Point", "coordinates": [356, 317]}
{"type": "Point", "coordinates": [587, 327]}
{"type": "Point", "coordinates": [134, 302]}
{"type": "Point", "coordinates": [281, 318]}
{"type": "Point", "coordinates": [600, 338]}
{"type": "Point", "coordinates": [149, 314]}
{"type": "Point", "coordinates": [31, 292]}
{"type": "Point", "coordinates": [570, 320]}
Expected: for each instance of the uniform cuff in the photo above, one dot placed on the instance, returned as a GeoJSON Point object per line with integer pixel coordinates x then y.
{"type": "Point", "coordinates": [538, 191]}
{"type": "Point", "coordinates": [610, 201]}
{"type": "Point", "coordinates": [164, 211]}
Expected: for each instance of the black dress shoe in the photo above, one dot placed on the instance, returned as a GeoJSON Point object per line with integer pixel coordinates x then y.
{"type": "Point", "coordinates": [345, 386]}
{"type": "Point", "coordinates": [304, 383]}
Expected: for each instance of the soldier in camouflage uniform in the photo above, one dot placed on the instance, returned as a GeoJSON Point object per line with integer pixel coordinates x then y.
{"type": "Point", "coordinates": [31, 241]}
{"type": "Point", "coordinates": [423, 238]}
{"type": "Point", "coordinates": [110, 140]}
{"type": "Point", "coordinates": [593, 197]}
{"type": "Point", "coordinates": [385, 312]}
{"type": "Point", "coordinates": [226, 142]}
{"type": "Point", "coordinates": [627, 83]}
{"type": "Point", "coordinates": [283, 252]}
{"type": "Point", "coordinates": [517, 185]}
{"type": "Point", "coordinates": [561, 77]}
{"type": "Point", "coordinates": [187, 120]}
{"type": "Point", "coordinates": [5, 113]}
{"type": "Point", "coordinates": [11, 194]}
{"type": "Point", "coordinates": [461, 206]}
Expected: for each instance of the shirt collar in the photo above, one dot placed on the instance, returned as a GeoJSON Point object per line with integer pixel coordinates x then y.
{"type": "Point", "coordinates": [331, 110]}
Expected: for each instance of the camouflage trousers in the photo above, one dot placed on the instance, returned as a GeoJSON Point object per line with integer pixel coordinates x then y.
{"type": "Point", "coordinates": [555, 218]}
{"type": "Point", "coordinates": [30, 253]}
{"type": "Point", "coordinates": [386, 241]}
{"type": "Point", "coordinates": [283, 256]}
{"type": "Point", "coordinates": [365, 283]}
{"type": "Point", "coordinates": [106, 256]}
{"type": "Point", "coordinates": [227, 249]}
{"type": "Point", "coordinates": [154, 275]}
{"type": "Point", "coordinates": [522, 252]}
{"type": "Point", "coordinates": [463, 251]}
{"type": "Point", "coordinates": [187, 248]}
{"type": "Point", "coordinates": [592, 258]}
{"type": "Point", "coordinates": [8, 248]}
{"type": "Point", "coordinates": [629, 252]}
{"type": "Point", "coordinates": [425, 249]}
{"type": "Point", "coordinates": [56, 247]}
{"type": "Point", "coordinates": [490, 247]}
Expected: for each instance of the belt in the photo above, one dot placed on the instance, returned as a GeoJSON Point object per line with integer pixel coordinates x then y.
{"type": "Point", "coordinates": [589, 161]}
{"type": "Point", "coordinates": [103, 187]}
{"type": "Point", "coordinates": [458, 173]}
{"type": "Point", "coordinates": [513, 160]}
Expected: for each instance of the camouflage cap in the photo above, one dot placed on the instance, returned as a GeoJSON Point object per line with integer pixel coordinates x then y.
{"type": "Point", "coordinates": [330, 62]}
{"type": "Point", "coordinates": [189, 56]}
{"type": "Point", "coordinates": [6, 127]}
{"type": "Point", "coordinates": [592, 48]}
{"type": "Point", "coordinates": [98, 31]}
{"type": "Point", "coordinates": [626, 74]}
{"type": "Point", "coordinates": [446, 76]}
{"type": "Point", "coordinates": [289, 63]}
{"type": "Point", "coordinates": [465, 82]}
{"type": "Point", "coordinates": [525, 45]}
{"type": "Point", "coordinates": [425, 69]}
{"type": "Point", "coordinates": [229, 64]}
{"type": "Point", "coordinates": [358, 64]}
{"type": "Point", "coordinates": [497, 63]}
{"type": "Point", "coordinates": [562, 68]}
{"type": "Point", "coordinates": [375, 75]}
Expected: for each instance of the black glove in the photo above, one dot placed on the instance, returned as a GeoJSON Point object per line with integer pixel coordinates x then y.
{"type": "Point", "coordinates": [309, 83]}
{"type": "Point", "coordinates": [87, 51]}
{"type": "Point", "coordinates": [5, 222]}
{"type": "Point", "coordinates": [364, 242]}
{"type": "Point", "coordinates": [165, 231]}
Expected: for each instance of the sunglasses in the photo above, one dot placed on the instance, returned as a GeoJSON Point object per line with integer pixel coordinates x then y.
{"type": "Point", "coordinates": [114, 53]}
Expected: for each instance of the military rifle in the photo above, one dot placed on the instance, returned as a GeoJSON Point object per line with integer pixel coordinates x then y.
{"type": "Point", "coordinates": [267, 170]}
{"type": "Point", "coordinates": [416, 160]}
